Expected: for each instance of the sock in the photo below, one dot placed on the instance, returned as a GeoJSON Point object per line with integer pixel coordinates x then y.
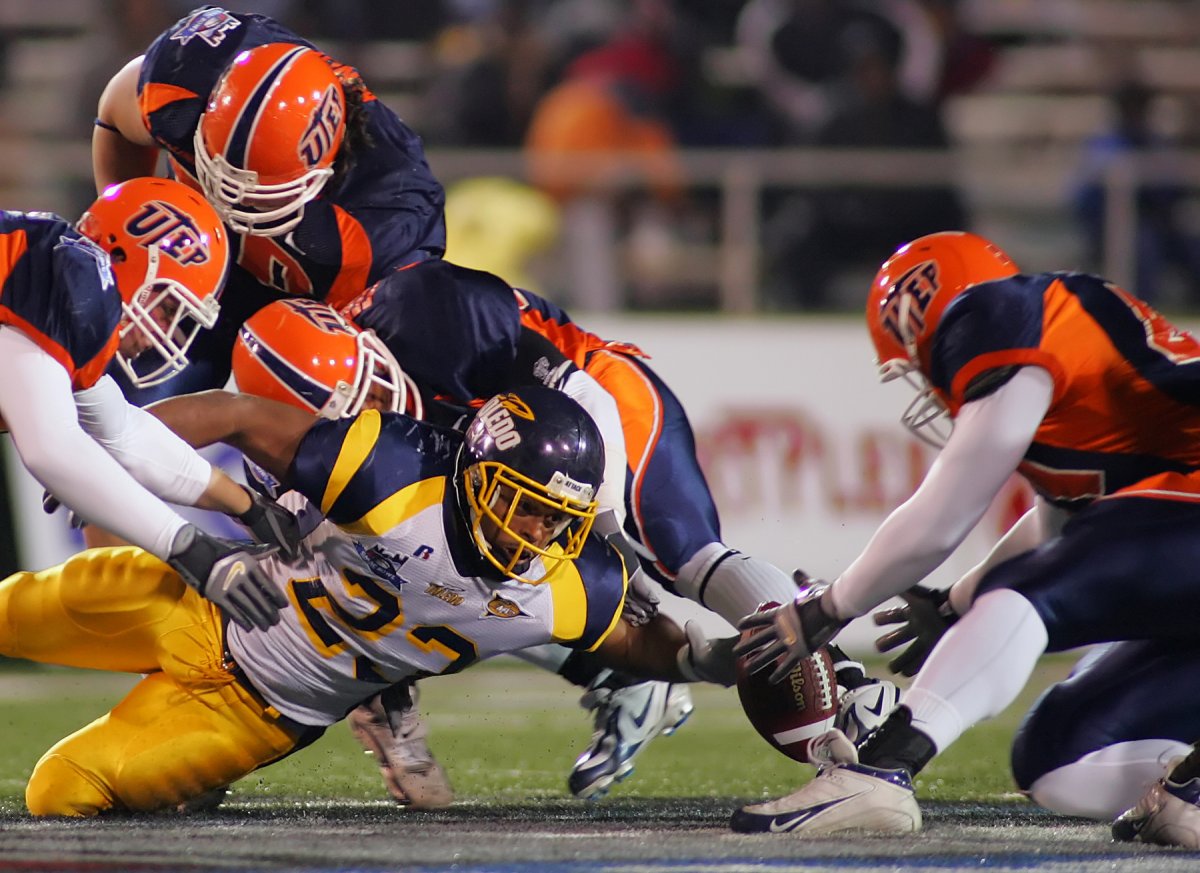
{"type": "Point", "coordinates": [732, 584]}
{"type": "Point", "coordinates": [897, 745]}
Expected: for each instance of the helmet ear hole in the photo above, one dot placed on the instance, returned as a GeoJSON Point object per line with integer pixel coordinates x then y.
{"type": "Point", "coordinates": [116, 253]}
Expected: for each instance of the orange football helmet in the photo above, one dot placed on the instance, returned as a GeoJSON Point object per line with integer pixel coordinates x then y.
{"type": "Point", "coordinates": [169, 254]}
{"type": "Point", "coordinates": [266, 143]}
{"type": "Point", "coordinates": [303, 352]}
{"type": "Point", "coordinates": [908, 296]}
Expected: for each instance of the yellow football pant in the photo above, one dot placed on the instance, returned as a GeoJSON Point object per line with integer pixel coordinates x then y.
{"type": "Point", "coordinates": [186, 728]}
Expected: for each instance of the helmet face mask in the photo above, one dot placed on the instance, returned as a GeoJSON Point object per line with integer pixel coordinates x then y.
{"type": "Point", "coordinates": [904, 308]}
{"type": "Point", "coordinates": [169, 254]}
{"type": "Point", "coordinates": [302, 352]}
{"type": "Point", "coordinates": [532, 464]}
{"type": "Point", "coordinates": [266, 144]}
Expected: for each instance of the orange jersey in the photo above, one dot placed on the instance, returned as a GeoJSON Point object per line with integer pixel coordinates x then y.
{"type": "Point", "coordinates": [1125, 416]}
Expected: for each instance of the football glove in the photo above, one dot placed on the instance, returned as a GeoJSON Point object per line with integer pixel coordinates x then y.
{"type": "Point", "coordinates": [784, 635]}
{"type": "Point", "coordinates": [924, 617]}
{"type": "Point", "coordinates": [227, 574]}
{"type": "Point", "coordinates": [701, 659]}
{"type": "Point", "coordinates": [270, 523]}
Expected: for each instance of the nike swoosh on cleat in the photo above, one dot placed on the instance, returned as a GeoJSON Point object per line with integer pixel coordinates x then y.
{"type": "Point", "coordinates": [778, 827]}
{"type": "Point", "coordinates": [877, 709]}
{"type": "Point", "coordinates": [640, 719]}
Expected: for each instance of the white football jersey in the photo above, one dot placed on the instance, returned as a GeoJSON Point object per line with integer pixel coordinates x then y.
{"type": "Point", "coordinates": [401, 591]}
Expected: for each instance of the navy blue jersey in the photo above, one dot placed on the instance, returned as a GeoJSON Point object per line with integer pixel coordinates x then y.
{"type": "Point", "coordinates": [58, 288]}
{"type": "Point", "coordinates": [456, 331]}
{"type": "Point", "coordinates": [384, 213]}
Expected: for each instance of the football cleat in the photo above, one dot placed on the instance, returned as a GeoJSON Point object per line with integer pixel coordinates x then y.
{"type": "Point", "coordinates": [626, 720]}
{"type": "Point", "coordinates": [390, 727]}
{"type": "Point", "coordinates": [831, 748]}
{"type": "Point", "coordinates": [1168, 814]}
{"type": "Point", "coordinates": [863, 709]}
{"type": "Point", "coordinates": [844, 797]}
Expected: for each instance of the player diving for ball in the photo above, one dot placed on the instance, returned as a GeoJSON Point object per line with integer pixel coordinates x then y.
{"type": "Point", "coordinates": [426, 550]}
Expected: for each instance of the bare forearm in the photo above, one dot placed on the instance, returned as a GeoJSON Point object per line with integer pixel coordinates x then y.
{"type": "Point", "coordinates": [267, 432]}
{"type": "Point", "coordinates": [649, 651]}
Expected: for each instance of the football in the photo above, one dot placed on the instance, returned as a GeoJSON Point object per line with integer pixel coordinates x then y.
{"type": "Point", "coordinates": [790, 713]}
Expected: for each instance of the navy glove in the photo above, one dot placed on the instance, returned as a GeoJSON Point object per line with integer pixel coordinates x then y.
{"type": "Point", "coordinates": [273, 525]}
{"type": "Point", "coordinates": [924, 617]}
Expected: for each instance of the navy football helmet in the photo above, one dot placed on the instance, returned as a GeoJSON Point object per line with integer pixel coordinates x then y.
{"type": "Point", "coordinates": [531, 464]}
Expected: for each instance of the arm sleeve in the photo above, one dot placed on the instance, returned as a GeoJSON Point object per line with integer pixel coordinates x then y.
{"type": "Point", "coordinates": [990, 437]}
{"type": "Point", "coordinates": [150, 452]}
{"type": "Point", "coordinates": [37, 403]}
{"type": "Point", "coordinates": [586, 391]}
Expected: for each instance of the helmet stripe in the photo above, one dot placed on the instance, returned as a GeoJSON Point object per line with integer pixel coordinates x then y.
{"type": "Point", "coordinates": [304, 386]}
{"type": "Point", "coordinates": [242, 133]}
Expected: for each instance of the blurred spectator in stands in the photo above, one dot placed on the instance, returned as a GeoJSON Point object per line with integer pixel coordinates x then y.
{"type": "Point", "coordinates": [810, 239]}
{"type": "Point", "coordinates": [1162, 239]}
{"type": "Point", "coordinates": [495, 65]}
{"type": "Point", "coordinates": [967, 58]}
{"type": "Point", "coordinates": [607, 123]}
{"type": "Point", "coordinates": [795, 51]}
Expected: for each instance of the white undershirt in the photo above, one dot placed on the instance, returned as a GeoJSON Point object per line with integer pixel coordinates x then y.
{"type": "Point", "coordinates": [40, 409]}
{"type": "Point", "coordinates": [990, 437]}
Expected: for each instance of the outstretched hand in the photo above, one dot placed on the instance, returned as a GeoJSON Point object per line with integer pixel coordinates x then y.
{"type": "Point", "coordinates": [783, 635]}
{"type": "Point", "coordinates": [924, 617]}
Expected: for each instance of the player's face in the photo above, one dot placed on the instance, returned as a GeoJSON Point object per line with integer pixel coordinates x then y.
{"type": "Point", "coordinates": [134, 342]}
{"type": "Point", "coordinates": [531, 521]}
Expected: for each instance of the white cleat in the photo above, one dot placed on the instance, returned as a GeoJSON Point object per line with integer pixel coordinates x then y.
{"type": "Point", "coordinates": [842, 797]}
{"type": "Point", "coordinates": [394, 733]}
{"type": "Point", "coordinates": [1168, 814]}
{"type": "Point", "coordinates": [626, 720]}
{"type": "Point", "coordinates": [863, 709]}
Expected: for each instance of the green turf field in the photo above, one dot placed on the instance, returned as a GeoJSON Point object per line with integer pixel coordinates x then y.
{"type": "Point", "coordinates": [506, 732]}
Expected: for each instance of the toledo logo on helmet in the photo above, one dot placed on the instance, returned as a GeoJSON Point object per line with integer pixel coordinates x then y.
{"type": "Point", "coordinates": [496, 416]}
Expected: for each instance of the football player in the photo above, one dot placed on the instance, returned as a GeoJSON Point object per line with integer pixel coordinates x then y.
{"type": "Point", "coordinates": [325, 189]}
{"type": "Point", "coordinates": [141, 270]}
{"type": "Point", "coordinates": [430, 550]}
{"type": "Point", "coordinates": [1088, 393]}
{"type": "Point", "coordinates": [490, 336]}
{"type": "Point", "coordinates": [304, 353]}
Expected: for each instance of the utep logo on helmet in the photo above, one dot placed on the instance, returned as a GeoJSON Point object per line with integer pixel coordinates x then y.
{"type": "Point", "coordinates": [496, 416]}
{"type": "Point", "coordinates": [172, 230]}
{"type": "Point", "coordinates": [320, 316]}
{"type": "Point", "coordinates": [920, 285]}
{"type": "Point", "coordinates": [210, 25]}
{"type": "Point", "coordinates": [322, 127]}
